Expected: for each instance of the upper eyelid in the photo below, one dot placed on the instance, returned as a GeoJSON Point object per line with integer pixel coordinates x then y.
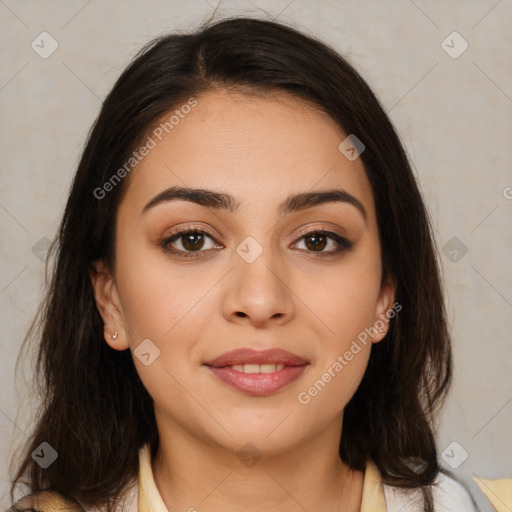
{"type": "Point", "coordinates": [204, 231]}
{"type": "Point", "coordinates": [326, 229]}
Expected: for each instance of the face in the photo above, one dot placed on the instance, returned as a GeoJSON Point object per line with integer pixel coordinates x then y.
{"type": "Point", "coordinates": [196, 279]}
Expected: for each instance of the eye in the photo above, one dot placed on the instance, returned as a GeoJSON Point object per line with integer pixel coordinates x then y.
{"type": "Point", "coordinates": [189, 242]}
{"type": "Point", "coordinates": [192, 241]}
{"type": "Point", "coordinates": [317, 240]}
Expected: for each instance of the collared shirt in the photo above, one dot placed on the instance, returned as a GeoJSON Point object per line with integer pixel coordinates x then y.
{"type": "Point", "coordinates": [452, 493]}
{"type": "Point", "coordinates": [377, 497]}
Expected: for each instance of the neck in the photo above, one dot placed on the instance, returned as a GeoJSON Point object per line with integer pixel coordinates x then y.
{"type": "Point", "coordinates": [192, 475]}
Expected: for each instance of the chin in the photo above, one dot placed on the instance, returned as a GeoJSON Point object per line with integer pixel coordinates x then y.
{"type": "Point", "coordinates": [270, 435]}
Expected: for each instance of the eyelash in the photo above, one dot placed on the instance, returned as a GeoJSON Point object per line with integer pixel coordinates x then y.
{"type": "Point", "coordinates": [344, 244]}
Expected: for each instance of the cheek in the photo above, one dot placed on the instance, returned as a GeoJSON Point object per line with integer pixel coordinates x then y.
{"type": "Point", "coordinates": [331, 385]}
{"type": "Point", "coordinates": [344, 301]}
{"type": "Point", "coordinates": [157, 296]}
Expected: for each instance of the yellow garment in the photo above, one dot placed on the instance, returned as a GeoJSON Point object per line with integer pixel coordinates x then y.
{"type": "Point", "coordinates": [498, 491]}
{"type": "Point", "coordinates": [150, 500]}
{"type": "Point", "coordinates": [46, 501]}
{"type": "Point", "coordinates": [373, 496]}
{"type": "Point", "coordinates": [149, 497]}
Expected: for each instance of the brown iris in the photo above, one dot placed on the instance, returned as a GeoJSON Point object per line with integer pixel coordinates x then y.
{"type": "Point", "coordinates": [319, 241]}
{"type": "Point", "coordinates": [193, 241]}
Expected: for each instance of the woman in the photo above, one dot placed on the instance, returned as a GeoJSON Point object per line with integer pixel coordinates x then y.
{"type": "Point", "coordinates": [246, 309]}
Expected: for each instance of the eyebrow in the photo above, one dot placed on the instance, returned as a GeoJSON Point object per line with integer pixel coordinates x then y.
{"type": "Point", "coordinates": [224, 201]}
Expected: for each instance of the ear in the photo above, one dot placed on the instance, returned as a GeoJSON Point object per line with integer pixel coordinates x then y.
{"type": "Point", "coordinates": [385, 310]}
{"type": "Point", "coordinates": [109, 305]}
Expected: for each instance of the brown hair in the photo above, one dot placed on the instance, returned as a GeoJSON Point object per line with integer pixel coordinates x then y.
{"type": "Point", "coordinates": [96, 413]}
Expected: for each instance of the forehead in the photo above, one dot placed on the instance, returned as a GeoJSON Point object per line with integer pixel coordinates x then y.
{"type": "Point", "coordinates": [257, 148]}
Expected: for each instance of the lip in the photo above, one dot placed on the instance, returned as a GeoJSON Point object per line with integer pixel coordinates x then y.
{"type": "Point", "coordinates": [258, 384]}
{"type": "Point", "coordinates": [251, 356]}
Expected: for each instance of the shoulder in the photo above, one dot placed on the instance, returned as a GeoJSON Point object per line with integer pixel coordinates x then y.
{"type": "Point", "coordinates": [45, 501]}
{"type": "Point", "coordinates": [448, 495]}
{"type": "Point", "coordinates": [49, 501]}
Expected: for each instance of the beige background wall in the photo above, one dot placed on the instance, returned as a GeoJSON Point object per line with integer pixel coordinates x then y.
{"type": "Point", "coordinates": [453, 109]}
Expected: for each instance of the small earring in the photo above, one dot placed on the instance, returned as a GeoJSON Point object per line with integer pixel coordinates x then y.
{"type": "Point", "coordinates": [114, 336]}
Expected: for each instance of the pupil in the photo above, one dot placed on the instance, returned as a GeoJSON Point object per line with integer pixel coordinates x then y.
{"type": "Point", "coordinates": [319, 244]}
{"type": "Point", "coordinates": [192, 245]}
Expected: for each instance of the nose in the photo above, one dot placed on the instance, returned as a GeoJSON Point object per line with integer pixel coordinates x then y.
{"type": "Point", "coordinates": [258, 293]}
